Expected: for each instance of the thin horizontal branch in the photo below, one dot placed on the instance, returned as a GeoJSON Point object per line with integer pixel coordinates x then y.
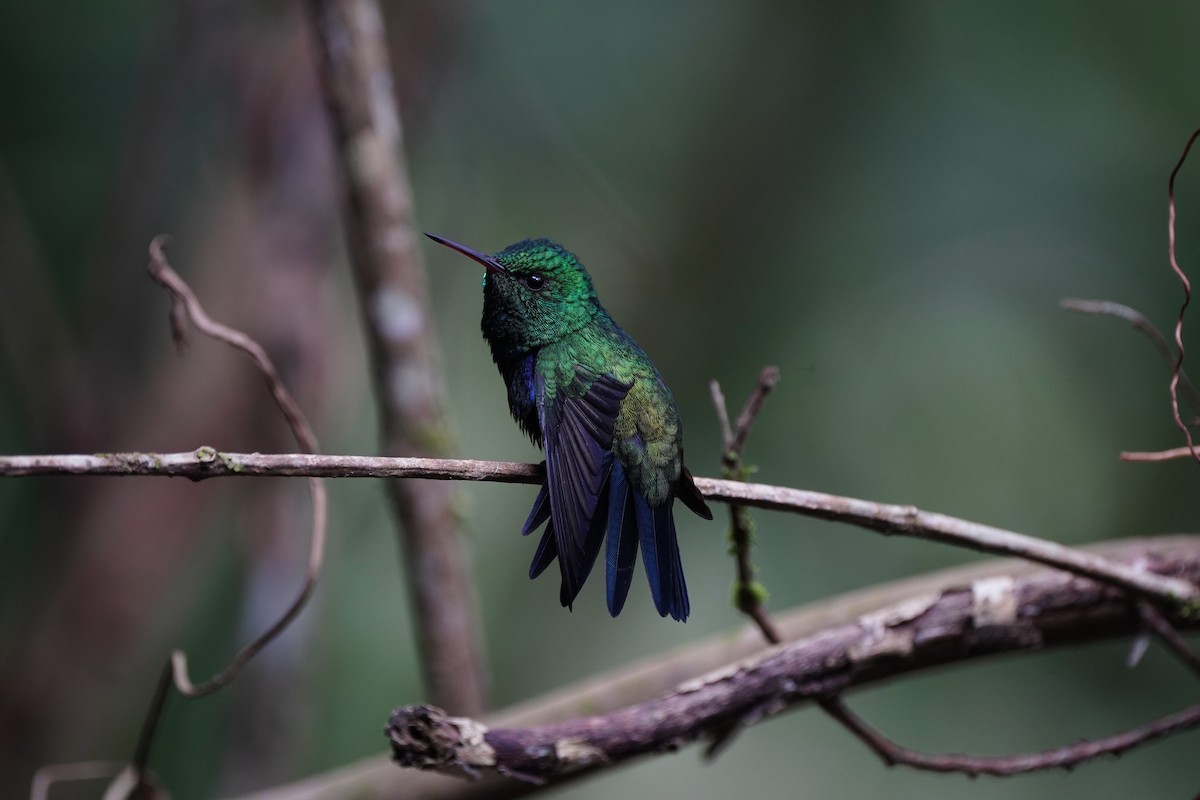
{"type": "Point", "coordinates": [1160, 455]}
{"type": "Point", "coordinates": [990, 616]}
{"type": "Point", "coordinates": [205, 462]}
{"type": "Point", "coordinates": [912, 521]}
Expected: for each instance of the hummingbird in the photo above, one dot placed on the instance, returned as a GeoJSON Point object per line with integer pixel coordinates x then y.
{"type": "Point", "coordinates": [590, 397]}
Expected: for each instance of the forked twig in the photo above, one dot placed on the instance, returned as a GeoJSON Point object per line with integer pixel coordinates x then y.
{"type": "Point", "coordinates": [748, 593]}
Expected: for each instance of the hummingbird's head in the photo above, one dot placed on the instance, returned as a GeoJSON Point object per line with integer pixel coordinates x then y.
{"type": "Point", "coordinates": [534, 292]}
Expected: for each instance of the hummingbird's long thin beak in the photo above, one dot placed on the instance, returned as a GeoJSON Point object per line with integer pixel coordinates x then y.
{"type": "Point", "coordinates": [483, 258]}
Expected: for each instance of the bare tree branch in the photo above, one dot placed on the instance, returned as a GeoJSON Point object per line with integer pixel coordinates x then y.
{"type": "Point", "coordinates": [206, 462]}
{"type": "Point", "coordinates": [390, 277]}
{"type": "Point", "coordinates": [1000, 614]}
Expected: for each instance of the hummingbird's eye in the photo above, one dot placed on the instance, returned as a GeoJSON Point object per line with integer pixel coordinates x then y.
{"type": "Point", "coordinates": [534, 282]}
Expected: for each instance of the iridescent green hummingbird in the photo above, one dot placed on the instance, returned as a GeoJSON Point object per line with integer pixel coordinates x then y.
{"type": "Point", "coordinates": [591, 398]}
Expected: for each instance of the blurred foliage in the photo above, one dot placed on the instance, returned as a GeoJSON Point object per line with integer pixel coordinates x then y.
{"type": "Point", "coordinates": [886, 200]}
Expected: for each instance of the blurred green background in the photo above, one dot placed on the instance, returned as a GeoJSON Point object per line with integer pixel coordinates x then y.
{"type": "Point", "coordinates": [886, 200]}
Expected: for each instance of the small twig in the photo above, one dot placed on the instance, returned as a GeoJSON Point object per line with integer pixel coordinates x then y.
{"type": "Point", "coordinates": [768, 379]}
{"type": "Point", "coordinates": [911, 521]}
{"type": "Point", "coordinates": [207, 462]}
{"type": "Point", "coordinates": [718, 398]}
{"type": "Point", "coordinates": [183, 299]}
{"type": "Point", "coordinates": [47, 776]}
{"type": "Point", "coordinates": [884, 518]}
{"type": "Point", "coordinates": [762, 618]}
{"type": "Point", "coordinates": [158, 703]}
{"type": "Point", "coordinates": [1177, 372]}
{"type": "Point", "coordinates": [1169, 636]}
{"type": "Point", "coordinates": [176, 669]}
{"type": "Point", "coordinates": [748, 593]}
{"type": "Point", "coordinates": [129, 784]}
{"type": "Point", "coordinates": [1161, 455]}
{"type": "Point", "coordinates": [1140, 322]}
{"type": "Point", "coordinates": [1061, 757]}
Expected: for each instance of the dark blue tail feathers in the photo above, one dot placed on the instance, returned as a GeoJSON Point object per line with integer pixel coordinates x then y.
{"type": "Point", "coordinates": [622, 540]}
{"type": "Point", "coordinates": [628, 520]}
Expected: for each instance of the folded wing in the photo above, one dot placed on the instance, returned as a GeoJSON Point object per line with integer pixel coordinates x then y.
{"type": "Point", "coordinates": [577, 433]}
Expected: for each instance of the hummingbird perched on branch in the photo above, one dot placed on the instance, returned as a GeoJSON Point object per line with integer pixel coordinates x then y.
{"type": "Point", "coordinates": [586, 393]}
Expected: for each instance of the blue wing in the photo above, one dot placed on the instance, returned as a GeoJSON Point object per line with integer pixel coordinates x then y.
{"type": "Point", "coordinates": [577, 433]}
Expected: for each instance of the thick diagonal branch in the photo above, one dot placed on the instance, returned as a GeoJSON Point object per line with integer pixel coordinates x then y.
{"type": "Point", "coordinates": [988, 616]}
{"type": "Point", "coordinates": [390, 278]}
{"type": "Point", "coordinates": [635, 683]}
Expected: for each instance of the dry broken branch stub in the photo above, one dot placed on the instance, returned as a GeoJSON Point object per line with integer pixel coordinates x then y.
{"type": "Point", "coordinates": [999, 614]}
